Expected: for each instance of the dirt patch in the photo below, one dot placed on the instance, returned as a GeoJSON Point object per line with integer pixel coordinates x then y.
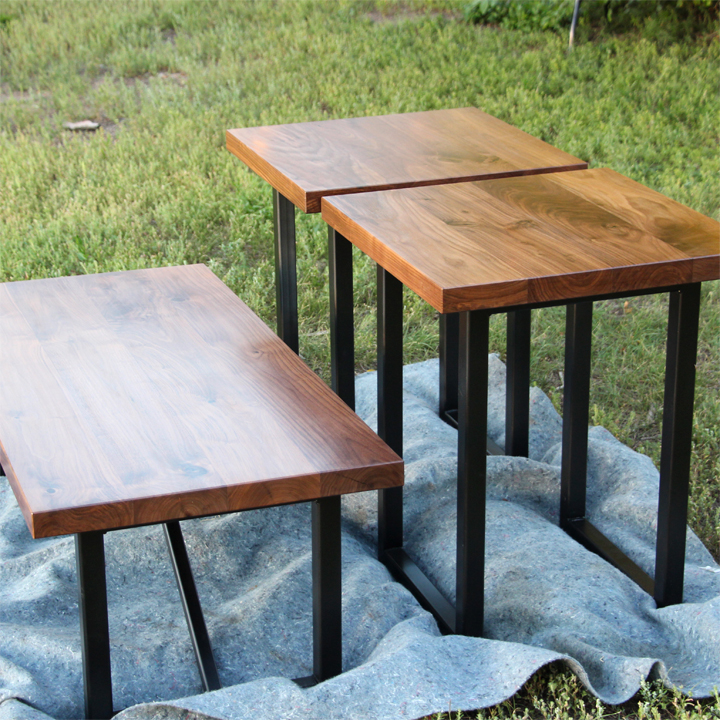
{"type": "Point", "coordinates": [22, 95]}
{"type": "Point", "coordinates": [179, 78]}
{"type": "Point", "coordinates": [110, 127]}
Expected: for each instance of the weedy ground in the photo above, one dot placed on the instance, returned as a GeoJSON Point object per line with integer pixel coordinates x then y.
{"type": "Point", "coordinates": [552, 694]}
{"type": "Point", "coordinates": [155, 186]}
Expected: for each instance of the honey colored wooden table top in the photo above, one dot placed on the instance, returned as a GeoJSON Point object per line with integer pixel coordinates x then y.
{"type": "Point", "coordinates": [307, 161]}
{"type": "Point", "coordinates": [152, 395]}
{"type": "Point", "coordinates": [525, 240]}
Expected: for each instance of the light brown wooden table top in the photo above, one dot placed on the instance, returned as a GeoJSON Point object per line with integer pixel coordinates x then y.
{"type": "Point", "coordinates": [152, 395]}
{"type": "Point", "coordinates": [525, 240]}
{"type": "Point", "coordinates": [307, 161]}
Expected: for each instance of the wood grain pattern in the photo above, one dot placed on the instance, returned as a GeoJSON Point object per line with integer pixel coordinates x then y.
{"type": "Point", "coordinates": [151, 395]}
{"type": "Point", "coordinates": [523, 240]}
{"type": "Point", "coordinates": [308, 161]}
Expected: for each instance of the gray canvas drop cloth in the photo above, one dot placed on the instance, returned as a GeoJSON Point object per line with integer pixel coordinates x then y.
{"type": "Point", "coordinates": [546, 597]}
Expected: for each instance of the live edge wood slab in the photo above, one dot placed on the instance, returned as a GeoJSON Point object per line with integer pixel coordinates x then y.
{"type": "Point", "coordinates": [154, 395]}
{"type": "Point", "coordinates": [521, 241]}
{"type": "Point", "coordinates": [307, 161]}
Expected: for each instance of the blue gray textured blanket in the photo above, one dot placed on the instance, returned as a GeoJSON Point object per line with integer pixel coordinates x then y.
{"type": "Point", "coordinates": [546, 597]}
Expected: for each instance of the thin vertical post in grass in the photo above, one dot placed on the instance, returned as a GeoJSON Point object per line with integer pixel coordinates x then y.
{"type": "Point", "coordinates": [573, 24]}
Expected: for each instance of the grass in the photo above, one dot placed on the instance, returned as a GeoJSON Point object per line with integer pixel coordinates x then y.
{"type": "Point", "coordinates": [155, 185]}
{"type": "Point", "coordinates": [551, 694]}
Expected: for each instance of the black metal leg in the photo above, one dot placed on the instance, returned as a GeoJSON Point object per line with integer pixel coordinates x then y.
{"type": "Point", "coordinates": [94, 634]}
{"type": "Point", "coordinates": [449, 349]}
{"type": "Point", "coordinates": [327, 588]}
{"type": "Point", "coordinates": [517, 402]}
{"type": "Point", "coordinates": [576, 406]}
{"type": "Point", "coordinates": [342, 332]}
{"type": "Point", "coordinates": [285, 270]}
{"type": "Point", "coordinates": [676, 444]}
{"type": "Point", "coordinates": [576, 403]}
{"type": "Point", "coordinates": [390, 396]}
{"type": "Point", "coordinates": [472, 467]}
{"type": "Point", "coordinates": [191, 605]}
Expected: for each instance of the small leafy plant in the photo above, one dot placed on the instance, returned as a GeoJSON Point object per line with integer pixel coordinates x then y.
{"type": "Point", "coordinates": [527, 15]}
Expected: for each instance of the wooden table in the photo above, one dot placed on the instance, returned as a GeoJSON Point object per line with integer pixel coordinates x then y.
{"type": "Point", "coordinates": [155, 395]}
{"type": "Point", "coordinates": [305, 162]}
{"type": "Point", "coordinates": [523, 242]}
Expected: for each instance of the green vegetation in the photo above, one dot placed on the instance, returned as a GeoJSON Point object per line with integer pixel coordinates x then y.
{"type": "Point", "coordinates": [663, 21]}
{"type": "Point", "coordinates": [553, 695]}
{"type": "Point", "coordinates": [155, 185]}
{"type": "Point", "coordinates": [521, 14]}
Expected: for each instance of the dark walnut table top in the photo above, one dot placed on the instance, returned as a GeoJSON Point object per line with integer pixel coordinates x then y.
{"type": "Point", "coordinates": [307, 161]}
{"type": "Point", "coordinates": [152, 395]}
{"type": "Point", "coordinates": [525, 240]}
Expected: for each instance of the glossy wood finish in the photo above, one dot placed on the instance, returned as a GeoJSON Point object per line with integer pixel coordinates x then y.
{"type": "Point", "coordinates": [307, 161]}
{"type": "Point", "coordinates": [153, 395]}
{"type": "Point", "coordinates": [524, 240]}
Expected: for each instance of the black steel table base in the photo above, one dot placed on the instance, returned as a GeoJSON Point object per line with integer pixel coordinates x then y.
{"type": "Point", "coordinates": [449, 356]}
{"type": "Point", "coordinates": [576, 403]}
{"type": "Point", "coordinates": [285, 271]}
{"type": "Point", "coordinates": [404, 569]}
{"type": "Point", "coordinates": [676, 444]}
{"type": "Point", "coordinates": [451, 418]}
{"type": "Point", "coordinates": [517, 404]}
{"type": "Point", "coordinates": [467, 616]}
{"type": "Point", "coordinates": [517, 385]}
{"type": "Point", "coordinates": [472, 472]}
{"type": "Point", "coordinates": [584, 532]}
{"type": "Point", "coordinates": [327, 591]}
{"type": "Point", "coordinates": [667, 587]}
{"type": "Point", "coordinates": [390, 395]}
{"type": "Point", "coordinates": [92, 593]}
{"type": "Point", "coordinates": [94, 634]}
{"type": "Point", "coordinates": [191, 606]}
{"type": "Point", "coordinates": [463, 404]}
{"type": "Point", "coordinates": [342, 335]}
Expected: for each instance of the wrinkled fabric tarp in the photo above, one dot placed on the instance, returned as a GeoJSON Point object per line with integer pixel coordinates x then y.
{"type": "Point", "coordinates": [547, 598]}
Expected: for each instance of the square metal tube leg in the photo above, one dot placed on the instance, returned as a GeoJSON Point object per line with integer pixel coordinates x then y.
{"type": "Point", "coordinates": [449, 358]}
{"type": "Point", "coordinates": [676, 444]}
{"type": "Point", "coordinates": [94, 634]}
{"type": "Point", "coordinates": [191, 606]}
{"type": "Point", "coordinates": [576, 406]}
{"type": "Point", "coordinates": [390, 396]}
{"type": "Point", "coordinates": [285, 271]}
{"type": "Point", "coordinates": [327, 588]}
{"type": "Point", "coordinates": [342, 332]}
{"type": "Point", "coordinates": [472, 471]}
{"type": "Point", "coordinates": [517, 399]}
